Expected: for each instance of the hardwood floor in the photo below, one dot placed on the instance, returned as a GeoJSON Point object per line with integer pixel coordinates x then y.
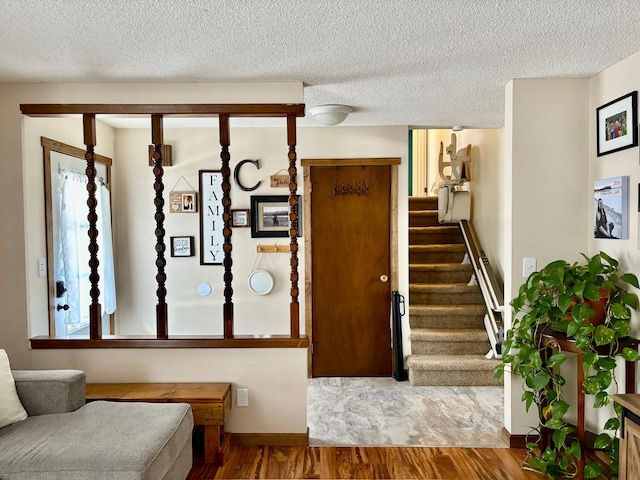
{"type": "Point", "coordinates": [370, 463]}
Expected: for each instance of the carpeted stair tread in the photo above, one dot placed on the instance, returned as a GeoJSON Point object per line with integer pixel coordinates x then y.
{"type": "Point", "coordinates": [447, 316]}
{"type": "Point", "coordinates": [435, 229]}
{"type": "Point", "coordinates": [441, 267]}
{"type": "Point", "coordinates": [449, 335]}
{"type": "Point", "coordinates": [430, 248]}
{"type": "Point", "coordinates": [441, 273]}
{"type": "Point", "coordinates": [447, 310]}
{"type": "Point", "coordinates": [442, 288]}
{"type": "Point", "coordinates": [452, 362]}
{"type": "Point", "coordinates": [423, 203]}
{"type": "Point", "coordinates": [423, 218]}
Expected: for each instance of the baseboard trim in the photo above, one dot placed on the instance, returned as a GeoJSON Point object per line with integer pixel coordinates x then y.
{"type": "Point", "coordinates": [270, 439]}
{"type": "Point", "coordinates": [516, 441]}
{"type": "Point", "coordinates": [520, 441]}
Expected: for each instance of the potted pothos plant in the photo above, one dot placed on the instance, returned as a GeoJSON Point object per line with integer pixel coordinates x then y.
{"type": "Point", "coordinates": [565, 297]}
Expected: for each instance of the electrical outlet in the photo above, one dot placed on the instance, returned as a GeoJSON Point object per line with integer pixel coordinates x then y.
{"type": "Point", "coordinates": [242, 397]}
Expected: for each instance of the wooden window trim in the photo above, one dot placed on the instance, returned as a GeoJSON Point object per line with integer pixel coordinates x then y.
{"type": "Point", "coordinates": [173, 341]}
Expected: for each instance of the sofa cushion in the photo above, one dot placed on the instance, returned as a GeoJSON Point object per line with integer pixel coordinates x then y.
{"type": "Point", "coordinates": [50, 391]}
{"type": "Point", "coordinates": [11, 410]}
{"type": "Point", "coordinates": [101, 440]}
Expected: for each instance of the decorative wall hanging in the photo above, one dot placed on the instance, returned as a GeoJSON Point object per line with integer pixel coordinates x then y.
{"type": "Point", "coordinates": [211, 221]}
{"type": "Point", "coordinates": [279, 181]}
{"type": "Point", "coordinates": [182, 247]}
{"type": "Point", "coordinates": [183, 201]}
{"type": "Point", "coordinates": [240, 218]}
{"type": "Point", "coordinates": [260, 282]}
{"type": "Point", "coordinates": [616, 124]}
{"type": "Point", "coordinates": [270, 216]}
{"type": "Point", "coordinates": [236, 175]}
{"type": "Point", "coordinates": [610, 200]}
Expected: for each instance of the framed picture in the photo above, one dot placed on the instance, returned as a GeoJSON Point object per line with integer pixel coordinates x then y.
{"type": "Point", "coordinates": [211, 221]}
{"type": "Point", "coordinates": [616, 124]}
{"type": "Point", "coordinates": [610, 208]}
{"type": "Point", "coordinates": [182, 247]}
{"type": "Point", "coordinates": [270, 216]}
{"type": "Point", "coordinates": [183, 202]}
{"type": "Point", "coordinates": [240, 218]}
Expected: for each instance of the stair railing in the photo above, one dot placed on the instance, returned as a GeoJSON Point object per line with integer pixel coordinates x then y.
{"type": "Point", "coordinates": [489, 286]}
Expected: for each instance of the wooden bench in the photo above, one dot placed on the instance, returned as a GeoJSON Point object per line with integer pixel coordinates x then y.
{"type": "Point", "coordinates": [210, 404]}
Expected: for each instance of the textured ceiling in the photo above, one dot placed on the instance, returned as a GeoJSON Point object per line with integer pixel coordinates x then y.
{"type": "Point", "coordinates": [432, 63]}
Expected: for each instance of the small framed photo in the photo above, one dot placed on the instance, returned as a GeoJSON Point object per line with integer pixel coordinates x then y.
{"type": "Point", "coordinates": [182, 247]}
{"type": "Point", "coordinates": [270, 216]}
{"type": "Point", "coordinates": [616, 124]}
{"type": "Point", "coordinates": [183, 202]}
{"type": "Point", "coordinates": [240, 218]}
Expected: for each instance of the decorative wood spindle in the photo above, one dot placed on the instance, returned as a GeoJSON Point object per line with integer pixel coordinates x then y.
{"type": "Point", "coordinates": [95, 310]}
{"type": "Point", "coordinates": [226, 217]}
{"type": "Point", "coordinates": [294, 310]}
{"type": "Point", "coordinates": [162, 317]}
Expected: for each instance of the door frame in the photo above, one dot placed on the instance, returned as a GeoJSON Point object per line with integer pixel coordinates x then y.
{"type": "Point", "coordinates": [308, 164]}
{"type": "Point", "coordinates": [48, 146]}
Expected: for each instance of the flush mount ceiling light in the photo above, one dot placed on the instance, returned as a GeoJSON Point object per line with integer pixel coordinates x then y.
{"type": "Point", "coordinates": [457, 128]}
{"type": "Point", "coordinates": [330, 114]}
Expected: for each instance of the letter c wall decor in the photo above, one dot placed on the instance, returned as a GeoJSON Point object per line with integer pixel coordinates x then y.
{"type": "Point", "coordinates": [236, 174]}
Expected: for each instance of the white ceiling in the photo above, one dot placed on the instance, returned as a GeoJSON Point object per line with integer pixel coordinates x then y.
{"type": "Point", "coordinates": [431, 63]}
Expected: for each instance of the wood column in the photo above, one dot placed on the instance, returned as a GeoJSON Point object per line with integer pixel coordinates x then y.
{"type": "Point", "coordinates": [294, 308]}
{"type": "Point", "coordinates": [95, 310]}
{"type": "Point", "coordinates": [162, 316]}
{"type": "Point", "coordinates": [223, 121]}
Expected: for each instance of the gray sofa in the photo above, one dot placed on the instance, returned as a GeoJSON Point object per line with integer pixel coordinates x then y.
{"type": "Point", "coordinates": [64, 438]}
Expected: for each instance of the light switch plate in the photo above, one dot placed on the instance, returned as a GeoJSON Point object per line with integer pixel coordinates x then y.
{"type": "Point", "coordinates": [529, 266]}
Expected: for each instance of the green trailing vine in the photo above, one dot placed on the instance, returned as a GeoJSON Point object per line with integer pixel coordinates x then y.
{"type": "Point", "coordinates": [561, 296]}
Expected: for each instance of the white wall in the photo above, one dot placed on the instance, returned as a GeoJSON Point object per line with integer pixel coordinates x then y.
{"type": "Point", "coordinates": [614, 82]}
{"type": "Point", "coordinates": [547, 188]}
{"type": "Point", "coordinates": [486, 186]}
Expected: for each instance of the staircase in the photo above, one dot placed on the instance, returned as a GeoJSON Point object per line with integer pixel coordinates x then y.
{"type": "Point", "coordinates": [448, 339]}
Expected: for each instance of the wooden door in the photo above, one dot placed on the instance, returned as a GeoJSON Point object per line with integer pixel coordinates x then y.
{"type": "Point", "coordinates": [351, 252]}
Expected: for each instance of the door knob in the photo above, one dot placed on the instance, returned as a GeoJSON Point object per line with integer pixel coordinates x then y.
{"type": "Point", "coordinates": [62, 307]}
{"type": "Point", "coordinates": [384, 278]}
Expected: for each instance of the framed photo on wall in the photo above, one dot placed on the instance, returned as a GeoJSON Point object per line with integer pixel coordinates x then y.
{"type": "Point", "coordinates": [182, 247]}
{"type": "Point", "coordinates": [270, 216]}
{"type": "Point", "coordinates": [183, 202]}
{"type": "Point", "coordinates": [616, 124]}
{"type": "Point", "coordinates": [240, 218]}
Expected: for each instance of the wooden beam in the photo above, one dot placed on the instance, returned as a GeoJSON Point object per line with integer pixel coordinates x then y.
{"type": "Point", "coordinates": [186, 110]}
{"type": "Point", "coordinates": [89, 129]}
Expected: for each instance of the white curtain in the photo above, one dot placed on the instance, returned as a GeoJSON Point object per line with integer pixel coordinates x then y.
{"type": "Point", "coordinates": [74, 249]}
